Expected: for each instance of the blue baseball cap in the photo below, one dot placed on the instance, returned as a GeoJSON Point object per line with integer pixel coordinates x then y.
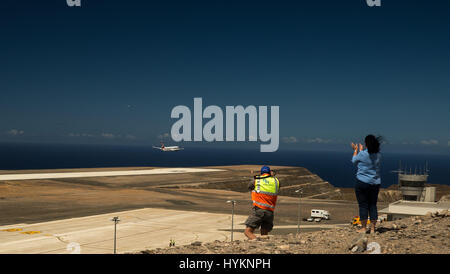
{"type": "Point", "coordinates": [265, 169]}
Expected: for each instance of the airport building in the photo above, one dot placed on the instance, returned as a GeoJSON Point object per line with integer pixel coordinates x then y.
{"type": "Point", "coordinates": [414, 188]}
{"type": "Point", "coordinates": [417, 198]}
{"type": "Point", "coordinates": [401, 209]}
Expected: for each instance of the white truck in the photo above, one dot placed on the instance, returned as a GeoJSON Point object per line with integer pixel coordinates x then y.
{"type": "Point", "coordinates": [319, 214]}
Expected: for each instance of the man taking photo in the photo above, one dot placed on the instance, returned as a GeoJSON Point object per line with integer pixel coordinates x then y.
{"type": "Point", "coordinates": [264, 196]}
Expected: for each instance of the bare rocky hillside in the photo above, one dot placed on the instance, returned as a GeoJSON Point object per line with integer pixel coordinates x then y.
{"type": "Point", "coordinates": [414, 235]}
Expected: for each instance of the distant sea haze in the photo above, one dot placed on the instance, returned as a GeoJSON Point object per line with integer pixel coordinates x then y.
{"type": "Point", "coordinates": [334, 167]}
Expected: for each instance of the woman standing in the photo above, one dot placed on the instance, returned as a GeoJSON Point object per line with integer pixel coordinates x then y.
{"type": "Point", "coordinates": [367, 180]}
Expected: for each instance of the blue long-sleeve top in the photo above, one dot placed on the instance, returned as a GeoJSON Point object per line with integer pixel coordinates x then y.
{"type": "Point", "coordinates": [368, 167]}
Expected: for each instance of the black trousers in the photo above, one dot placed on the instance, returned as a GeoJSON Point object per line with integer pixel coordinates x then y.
{"type": "Point", "coordinates": [367, 196]}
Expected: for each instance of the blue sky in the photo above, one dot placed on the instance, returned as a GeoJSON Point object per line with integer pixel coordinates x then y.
{"type": "Point", "coordinates": [111, 71]}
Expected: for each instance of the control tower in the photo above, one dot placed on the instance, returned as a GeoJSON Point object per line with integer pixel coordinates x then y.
{"type": "Point", "coordinates": [414, 185]}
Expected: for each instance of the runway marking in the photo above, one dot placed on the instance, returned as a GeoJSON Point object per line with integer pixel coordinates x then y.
{"type": "Point", "coordinates": [30, 232]}
{"type": "Point", "coordinates": [12, 229]}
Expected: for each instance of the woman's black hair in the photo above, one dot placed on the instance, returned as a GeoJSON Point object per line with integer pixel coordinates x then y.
{"type": "Point", "coordinates": [373, 143]}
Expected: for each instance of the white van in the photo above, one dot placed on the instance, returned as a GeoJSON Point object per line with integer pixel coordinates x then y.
{"type": "Point", "coordinates": [319, 213]}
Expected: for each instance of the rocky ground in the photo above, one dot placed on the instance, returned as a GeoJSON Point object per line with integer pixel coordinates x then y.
{"type": "Point", "coordinates": [414, 235]}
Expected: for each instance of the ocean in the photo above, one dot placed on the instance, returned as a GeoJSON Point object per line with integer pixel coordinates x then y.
{"type": "Point", "coordinates": [334, 167]}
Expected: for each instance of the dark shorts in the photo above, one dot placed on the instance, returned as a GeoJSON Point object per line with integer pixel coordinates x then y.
{"type": "Point", "coordinates": [260, 217]}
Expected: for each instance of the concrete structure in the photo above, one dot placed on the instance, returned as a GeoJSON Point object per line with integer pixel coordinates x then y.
{"type": "Point", "coordinates": [430, 194]}
{"type": "Point", "coordinates": [402, 209]}
{"type": "Point", "coordinates": [414, 186]}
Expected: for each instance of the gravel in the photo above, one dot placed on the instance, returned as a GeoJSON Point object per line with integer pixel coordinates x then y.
{"type": "Point", "coordinates": [414, 235]}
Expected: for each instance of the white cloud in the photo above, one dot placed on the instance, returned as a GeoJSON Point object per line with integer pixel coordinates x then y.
{"type": "Point", "coordinates": [108, 135]}
{"type": "Point", "coordinates": [103, 135]}
{"type": "Point", "coordinates": [290, 140]}
{"type": "Point", "coordinates": [80, 135]}
{"type": "Point", "coordinates": [429, 142]}
{"type": "Point", "coordinates": [318, 141]}
{"type": "Point", "coordinates": [15, 132]}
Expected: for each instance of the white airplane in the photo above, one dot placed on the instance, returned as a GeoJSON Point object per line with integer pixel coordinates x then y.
{"type": "Point", "coordinates": [172, 148]}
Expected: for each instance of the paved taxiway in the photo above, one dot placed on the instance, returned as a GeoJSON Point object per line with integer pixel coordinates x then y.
{"type": "Point", "coordinates": [138, 230]}
{"type": "Point", "coordinates": [59, 175]}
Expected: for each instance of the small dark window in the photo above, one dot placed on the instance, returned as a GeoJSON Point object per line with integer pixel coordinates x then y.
{"type": "Point", "coordinates": [410, 197]}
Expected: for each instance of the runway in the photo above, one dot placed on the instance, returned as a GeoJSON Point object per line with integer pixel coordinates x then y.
{"type": "Point", "coordinates": [59, 175]}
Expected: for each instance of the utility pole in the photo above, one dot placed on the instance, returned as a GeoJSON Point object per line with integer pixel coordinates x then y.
{"type": "Point", "coordinates": [115, 220]}
{"type": "Point", "coordinates": [233, 202]}
{"type": "Point", "coordinates": [299, 191]}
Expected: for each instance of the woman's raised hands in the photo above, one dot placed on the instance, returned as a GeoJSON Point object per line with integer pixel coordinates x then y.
{"type": "Point", "coordinates": [357, 146]}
